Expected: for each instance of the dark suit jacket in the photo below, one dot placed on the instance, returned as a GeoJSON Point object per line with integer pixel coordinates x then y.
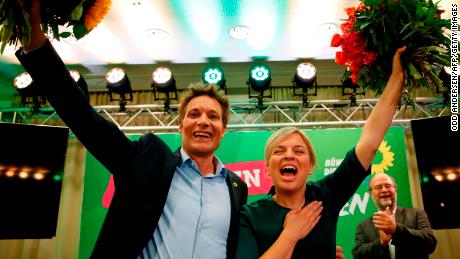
{"type": "Point", "coordinates": [142, 170]}
{"type": "Point", "coordinates": [413, 237]}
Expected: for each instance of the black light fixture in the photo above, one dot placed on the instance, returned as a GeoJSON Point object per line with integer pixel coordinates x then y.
{"type": "Point", "coordinates": [305, 79]}
{"type": "Point", "coordinates": [260, 79]}
{"type": "Point", "coordinates": [80, 82]}
{"type": "Point", "coordinates": [118, 82]}
{"type": "Point", "coordinates": [163, 82]}
{"type": "Point", "coordinates": [214, 75]}
{"type": "Point", "coordinates": [28, 91]}
{"type": "Point", "coordinates": [351, 89]}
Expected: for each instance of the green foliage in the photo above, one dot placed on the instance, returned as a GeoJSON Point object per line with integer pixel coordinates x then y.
{"type": "Point", "coordinates": [15, 25]}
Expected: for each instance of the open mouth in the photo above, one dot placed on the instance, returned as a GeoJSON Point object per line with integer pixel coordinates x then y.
{"type": "Point", "coordinates": [288, 170]}
{"type": "Point", "coordinates": [206, 135]}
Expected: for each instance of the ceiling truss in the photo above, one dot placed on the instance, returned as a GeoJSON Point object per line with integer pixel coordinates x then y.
{"type": "Point", "coordinates": [243, 115]}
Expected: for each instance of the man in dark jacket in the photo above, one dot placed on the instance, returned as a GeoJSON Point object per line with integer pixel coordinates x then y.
{"type": "Point", "coordinates": [393, 232]}
{"type": "Point", "coordinates": [166, 204]}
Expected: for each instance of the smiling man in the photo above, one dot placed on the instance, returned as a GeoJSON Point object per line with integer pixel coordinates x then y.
{"type": "Point", "coordinates": [166, 204]}
{"type": "Point", "coordinates": [393, 232]}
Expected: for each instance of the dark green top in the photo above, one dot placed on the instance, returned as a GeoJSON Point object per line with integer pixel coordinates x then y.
{"type": "Point", "coordinates": [261, 222]}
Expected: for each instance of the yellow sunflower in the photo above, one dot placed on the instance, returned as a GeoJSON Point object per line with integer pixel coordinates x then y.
{"type": "Point", "coordinates": [387, 159]}
{"type": "Point", "coordinates": [96, 13]}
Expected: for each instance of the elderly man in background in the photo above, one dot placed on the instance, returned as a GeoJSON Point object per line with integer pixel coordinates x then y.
{"type": "Point", "coordinates": [393, 232]}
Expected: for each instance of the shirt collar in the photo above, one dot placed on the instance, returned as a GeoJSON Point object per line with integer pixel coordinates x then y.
{"type": "Point", "coordinates": [394, 211]}
{"type": "Point", "coordinates": [220, 168]}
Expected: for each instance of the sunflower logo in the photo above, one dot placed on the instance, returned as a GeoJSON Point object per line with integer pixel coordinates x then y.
{"type": "Point", "coordinates": [387, 159]}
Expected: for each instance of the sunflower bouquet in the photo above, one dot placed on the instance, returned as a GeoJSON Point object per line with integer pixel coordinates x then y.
{"type": "Point", "coordinates": [81, 15]}
{"type": "Point", "coordinates": [376, 28]}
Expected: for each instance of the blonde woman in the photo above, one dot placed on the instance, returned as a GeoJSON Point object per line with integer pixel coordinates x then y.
{"type": "Point", "coordinates": [299, 220]}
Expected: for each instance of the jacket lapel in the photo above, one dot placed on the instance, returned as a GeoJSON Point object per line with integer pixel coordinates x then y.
{"type": "Point", "coordinates": [400, 215]}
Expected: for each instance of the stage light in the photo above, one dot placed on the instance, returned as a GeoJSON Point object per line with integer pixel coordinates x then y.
{"type": "Point", "coordinates": [351, 89]}
{"type": "Point", "coordinates": [23, 175]}
{"type": "Point", "coordinates": [118, 82]}
{"type": "Point", "coordinates": [163, 82]}
{"type": "Point", "coordinates": [305, 73]}
{"type": "Point", "coordinates": [305, 79]}
{"type": "Point", "coordinates": [214, 75]}
{"type": "Point", "coordinates": [78, 78]}
{"type": "Point", "coordinates": [439, 178]}
{"type": "Point", "coordinates": [451, 177]}
{"type": "Point", "coordinates": [23, 81]}
{"type": "Point", "coordinates": [260, 79]}
{"type": "Point", "coordinates": [38, 176]}
{"type": "Point", "coordinates": [28, 91]}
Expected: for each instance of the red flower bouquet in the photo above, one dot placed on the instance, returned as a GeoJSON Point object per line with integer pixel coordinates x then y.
{"type": "Point", "coordinates": [376, 28]}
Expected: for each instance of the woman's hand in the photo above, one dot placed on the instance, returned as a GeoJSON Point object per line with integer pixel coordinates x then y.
{"type": "Point", "coordinates": [397, 68]}
{"type": "Point", "coordinates": [299, 222]}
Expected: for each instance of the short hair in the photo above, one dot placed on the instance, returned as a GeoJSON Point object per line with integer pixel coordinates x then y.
{"type": "Point", "coordinates": [391, 178]}
{"type": "Point", "coordinates": [200, 89]}
{"type": "Point", "coordinates": [282, 133]}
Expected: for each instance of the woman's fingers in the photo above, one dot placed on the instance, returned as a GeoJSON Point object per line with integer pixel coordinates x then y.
{"type": "Point", "coordinates": [313, 208]}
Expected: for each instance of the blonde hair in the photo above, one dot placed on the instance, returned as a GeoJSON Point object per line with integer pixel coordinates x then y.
{"type": "Point", "coordinates": [199, 89]}
{"type": "Point", "coordinates": [282, 133]}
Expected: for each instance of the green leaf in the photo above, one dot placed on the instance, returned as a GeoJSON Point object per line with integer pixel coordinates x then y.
{"type": "Point", "coordinates": [436, 80]}
{"type": "Point", "coordinates": [364, 25]}
{"type": "Point", "coordinates": [426, 67]}
{"type": "Point", "coordinates": [419, 25]}
{"type": "Point", "coordinates": [2, 48]}
{"type": "Point", "coordinates": [413, 71]}
{"type": "Point", "coordinates": [65, 34]}
{"type": "Point", "coordinates": [55, 30]}
{"type": "Point", "coordinates": [419, 13]}
{"type": "Point", "coordinates": [374, 38]}
{"type": "Point", "coordinates": [79, 31]}
{"type": "Point", "coordinates": [77, 12]}
{"type": "Point", "coordinates": [430, 14]}
{"type": "Point", "coordinates": [405, 27]}
{"type": "Point", "coordinates": [442, 61]}
{"type": "Point", "coordinates": [408, 35]}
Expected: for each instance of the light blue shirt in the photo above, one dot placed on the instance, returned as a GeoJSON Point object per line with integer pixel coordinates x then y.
{"type": "Point", "coordinates": [196, 217]}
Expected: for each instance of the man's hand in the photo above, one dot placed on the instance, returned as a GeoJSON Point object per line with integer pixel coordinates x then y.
{"type": "Point", "coordinates": [385, 238]}
{"type": "Point", "coordinates": [37, 37]}
{"type": "Point", "coordinates": [386, 224]}
{"type": "Point", "coordinates": [299, 222]}
{"type": "Point", "coordinates": [384, 220]}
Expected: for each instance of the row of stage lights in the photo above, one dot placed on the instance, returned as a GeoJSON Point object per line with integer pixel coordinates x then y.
{"type": "Point", "coordinates": [446, 174]}
{"type": "Point", "coordinates": [27, 172]}
{"type": "Point", "coordinates": [259, 81]}
{"type": "Point", "coordinates": [117, 82]}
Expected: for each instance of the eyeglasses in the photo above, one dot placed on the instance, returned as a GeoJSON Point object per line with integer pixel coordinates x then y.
{"type": "Point", "coordinates": [381, 186]}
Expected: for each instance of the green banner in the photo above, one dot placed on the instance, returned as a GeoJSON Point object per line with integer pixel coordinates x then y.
{"type": "Point", "coordinates": [242, 152]}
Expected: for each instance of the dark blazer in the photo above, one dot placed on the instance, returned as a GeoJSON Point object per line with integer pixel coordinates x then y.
{"type": "Point", "coordinates": [413, 237]}
{"type": "Point", "coordinates": [142, 170]}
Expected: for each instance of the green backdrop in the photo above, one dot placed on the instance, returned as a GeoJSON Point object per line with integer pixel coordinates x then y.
{"type": "Point", "coordinates": [243, 151]}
